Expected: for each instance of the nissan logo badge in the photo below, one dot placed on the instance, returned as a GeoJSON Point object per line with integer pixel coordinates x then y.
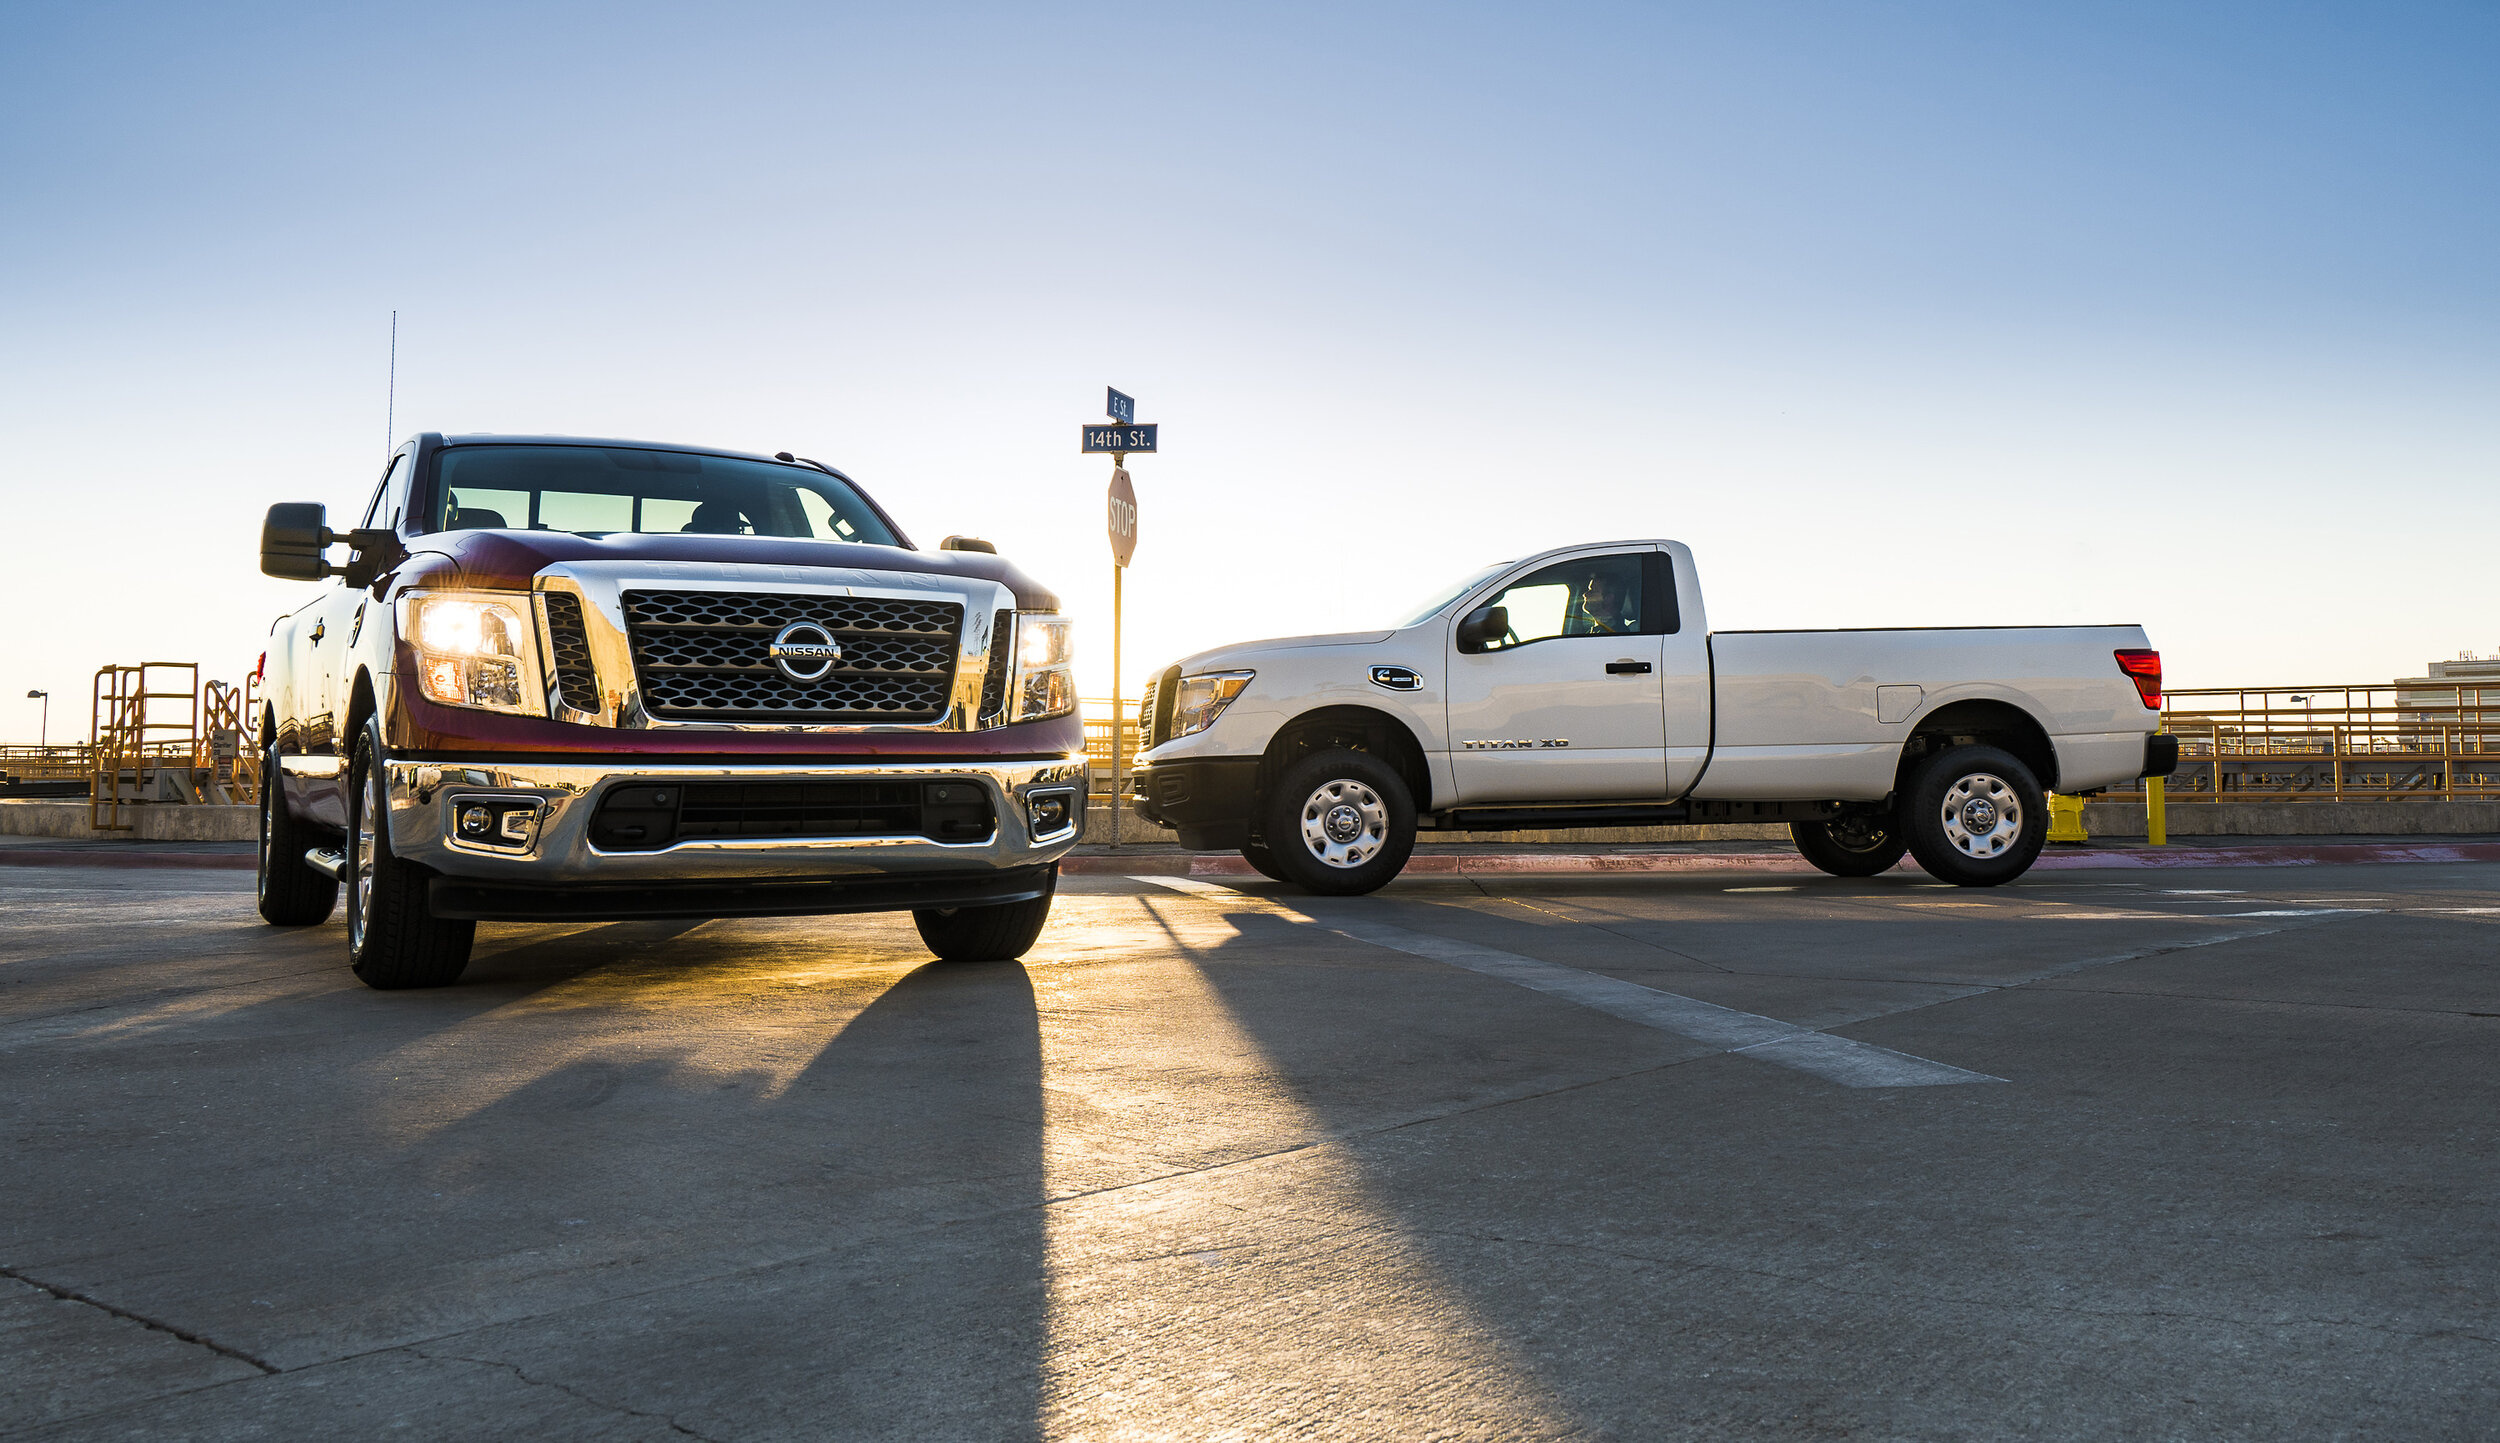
{"type": "Point", "coordinates": [805, 651]}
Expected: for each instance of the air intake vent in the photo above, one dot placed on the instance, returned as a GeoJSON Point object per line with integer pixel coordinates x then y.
{"type": "Point", "coordinates": [706, 656]}
{"type": "Point", "coordinates": [1002, 665]}
{"type": "Point", "coordinates": [577, 681]}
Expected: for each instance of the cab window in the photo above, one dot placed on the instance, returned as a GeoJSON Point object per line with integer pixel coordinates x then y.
{"type": "Point", "coordinates": [1589, 596]}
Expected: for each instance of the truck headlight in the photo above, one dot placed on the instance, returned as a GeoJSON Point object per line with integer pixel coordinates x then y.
{"type": "Point", "coordinates": [1045, 682]}
{"type": "Point", "coordinates": [1200, 699]}
{"type": "Point", "coordinates": [474, 649]}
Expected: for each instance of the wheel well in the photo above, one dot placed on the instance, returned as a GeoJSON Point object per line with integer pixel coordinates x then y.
{"type": "Point", "coordinates": [1354, 728]}
{"type": "Point", "coordinates": [1986, 723]}
{"type": "Point", "coordinates": [359, 710]}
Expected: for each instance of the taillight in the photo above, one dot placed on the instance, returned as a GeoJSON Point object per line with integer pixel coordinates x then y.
{"type": "Point", "coordinates": [2144, 668]}
{"type": "Point", "coordinates": [260, 668]}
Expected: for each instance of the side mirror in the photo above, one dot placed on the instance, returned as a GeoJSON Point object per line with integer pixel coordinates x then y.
{"type": "Point", "coordinates": [966, 543]}
{"type": "Point", "coordinates": [1483, 626]}
{"type": "Point", "coordinates": [292, 540]}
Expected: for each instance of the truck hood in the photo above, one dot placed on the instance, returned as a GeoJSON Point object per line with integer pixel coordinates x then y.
{"type": "Point", "coordinates": [1248, 653]}
{"type": "Point", "coordinates": [508, 559]}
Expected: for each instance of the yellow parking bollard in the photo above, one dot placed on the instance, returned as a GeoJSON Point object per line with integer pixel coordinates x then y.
{"type": "Point", "coordinates": [2066, 819]}
{"type": "Point", "coordinates": [2156, 831]}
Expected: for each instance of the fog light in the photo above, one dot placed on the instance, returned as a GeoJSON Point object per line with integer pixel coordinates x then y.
{"type": "Point", "coordinates": [476, 821]}
{"type": "Point", "coordinates": [1050, 813]}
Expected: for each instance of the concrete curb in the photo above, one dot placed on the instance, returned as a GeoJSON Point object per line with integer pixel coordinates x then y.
{"type": "Point", "coordinates": [1165, 864]}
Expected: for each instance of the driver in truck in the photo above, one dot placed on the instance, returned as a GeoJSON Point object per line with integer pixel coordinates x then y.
{"type": "Point", "coordinates": [1606, 605]}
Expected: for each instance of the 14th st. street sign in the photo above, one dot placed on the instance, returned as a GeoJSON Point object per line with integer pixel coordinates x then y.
{"type": "Point", "coordinates": [1123, 517]}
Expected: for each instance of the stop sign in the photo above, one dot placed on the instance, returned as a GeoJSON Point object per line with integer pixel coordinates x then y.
{"type": "Point", "coordinates": [1123, 517]}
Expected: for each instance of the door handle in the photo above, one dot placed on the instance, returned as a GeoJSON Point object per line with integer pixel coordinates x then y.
{"type": "Point", "coordinates": [1627, 668]}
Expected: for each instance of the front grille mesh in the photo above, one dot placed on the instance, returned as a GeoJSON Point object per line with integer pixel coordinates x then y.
{"type": "Point", "coordinates": [1155, 712]}
{"type": "Point", "coordinates": [577, 681]}
{"type": "Point", "coordinates": [704, 655]}
{"type": "Point", "coordinates": [1002, 662]}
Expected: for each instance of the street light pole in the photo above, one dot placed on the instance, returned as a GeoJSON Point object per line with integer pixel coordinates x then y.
{"type": "Point", "coordinates": [43, 736]}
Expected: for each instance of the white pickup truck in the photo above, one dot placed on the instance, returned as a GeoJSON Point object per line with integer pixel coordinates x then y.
{"type": "Point", "coordinates": [1582, 687]}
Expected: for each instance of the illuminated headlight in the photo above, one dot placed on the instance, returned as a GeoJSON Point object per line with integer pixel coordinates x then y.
{"type": "Point", "coordinates": [1199, 700]}
{"type": "Point", "coordinates": [474, 649]}
{"type": "Point", "coordinates": [1045, 684]}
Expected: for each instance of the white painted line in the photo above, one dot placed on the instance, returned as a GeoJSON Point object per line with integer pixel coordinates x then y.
{"type": "Point", "coordinates": [1837, 1059]}
{"type": "Point", "coordinates": [1757, 889]}
{"type": "Point", "coordinates": [2302, 912]}
{"type": "Point", "coordinates": [2462, 911]}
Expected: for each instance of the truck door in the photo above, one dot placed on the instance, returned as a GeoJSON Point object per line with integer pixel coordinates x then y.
{"type": "Point", "coordinates": [1568, 703]}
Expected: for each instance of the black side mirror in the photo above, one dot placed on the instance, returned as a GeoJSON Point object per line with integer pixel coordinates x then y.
{"type": "Point", "coordinates": [966, 543]}
{"type": "Point", "coordinates": [292, 540]}
{"type": "Point", "coordinates": [1483, 626]}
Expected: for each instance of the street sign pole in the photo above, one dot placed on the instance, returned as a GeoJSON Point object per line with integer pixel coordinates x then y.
{"type": "Point", "coordinates": [1121, 508]}
{"type": "Point", "coordinates": [1119, 698]}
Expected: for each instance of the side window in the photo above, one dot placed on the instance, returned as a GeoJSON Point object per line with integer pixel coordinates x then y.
{"type": "Point", "coordinates": [1589, 596]}
{"type": "Point", "coordinates": [390, 499]}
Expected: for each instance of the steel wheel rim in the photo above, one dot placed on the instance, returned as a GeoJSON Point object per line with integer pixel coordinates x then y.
{"type": "Point", "coordinates": [1344, 823]}
{"type": "Point", "coordinates": [360, 859]}
{"type": "Point", "coordinates": [1983, 816]}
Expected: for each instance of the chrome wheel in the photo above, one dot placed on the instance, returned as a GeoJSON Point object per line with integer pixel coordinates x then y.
{"type": "Point", "coordinates": [1344, 823]}
{"type": "Point", "coordinates": [1983, 815]}
{"type": "Point", "coordinates": [360, 861]}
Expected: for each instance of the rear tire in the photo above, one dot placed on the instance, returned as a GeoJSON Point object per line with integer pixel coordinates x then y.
{"type": "Point", "coordinates": [1339, 823]}
{"type": "Point", "coordinates": [1975, 815]}
{"type": "Point", "coordinates": [1853, 844]}
{"type": "Point", "coordinates": [1000, 933]}
{"type": "Point", "coordinates": [394, 940]}
{"type": "Point", "coordinates": [291, 893]}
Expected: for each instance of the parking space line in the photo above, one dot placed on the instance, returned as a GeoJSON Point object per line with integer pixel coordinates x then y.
{"type": "Point", "coordinates": [1835, 1059]}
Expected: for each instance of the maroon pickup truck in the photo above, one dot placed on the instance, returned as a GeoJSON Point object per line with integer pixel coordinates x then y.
{"type": "Point", "coordinates": [561, 679]}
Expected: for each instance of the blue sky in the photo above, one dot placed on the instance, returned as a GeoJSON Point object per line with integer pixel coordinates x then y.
{"type": "Point", "coordinates": [1898, 313]}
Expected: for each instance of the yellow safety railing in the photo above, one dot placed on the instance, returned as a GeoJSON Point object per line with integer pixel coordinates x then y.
{"type": "Point", "coordinates": [2439, 741]}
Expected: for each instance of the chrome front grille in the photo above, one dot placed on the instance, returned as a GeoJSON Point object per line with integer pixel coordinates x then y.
{"type": "Point", "coordinates": [704, 656]}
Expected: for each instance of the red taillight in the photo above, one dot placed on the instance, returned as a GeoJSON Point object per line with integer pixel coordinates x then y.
{"type": "Point", "coordinates": [260, 669]}
{"type": "Point", "coordinates": [2144, 667]}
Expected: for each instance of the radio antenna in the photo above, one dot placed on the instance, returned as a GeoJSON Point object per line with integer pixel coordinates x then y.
{"type": "Point", "coordinates": [390, 405]}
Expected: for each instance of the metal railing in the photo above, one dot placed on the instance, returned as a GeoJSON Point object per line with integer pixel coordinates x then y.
{"type": "Point", "coordinates": [1097, 714]}
{"type": "Point", "coordinates": [2438, 741]}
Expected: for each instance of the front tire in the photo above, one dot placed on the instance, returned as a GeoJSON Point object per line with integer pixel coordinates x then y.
{"type": "Point", "coordinates": [1853, 844]}
{"type": "Point", "coordinates": [1000, 933]}
{"type": "Point", "coordinates": [1339, 823]}
{"type": "Point", "coordinates": [1975, 815]}
{"type": "Point", "coordinates": [394, 940]}
{"type": "Point", "coordinates": [291, 894]}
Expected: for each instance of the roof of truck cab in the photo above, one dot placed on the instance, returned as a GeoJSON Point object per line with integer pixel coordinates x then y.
{"type": "Point", "coordinates": [490, 438]}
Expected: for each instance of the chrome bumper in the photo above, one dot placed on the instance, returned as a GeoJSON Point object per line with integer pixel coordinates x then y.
{"type": "Point", "coordinates": [558, 849]}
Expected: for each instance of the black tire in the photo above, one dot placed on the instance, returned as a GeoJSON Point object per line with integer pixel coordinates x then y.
{"type": "Point", "coordinates": [986, 934]}
{"type": "Point", "coordinates": [394, 940]}
{"type": "Point", "coordinates": [1974, 781]}
{"type": "Point", "coordinates": [1357, 806]}
{"type": "Point", "coordinates": [1854, 844]}
{"type": "Point", "coordinates": [1264, 861]}
{"type": "Point", "coordinates": [291, 894]}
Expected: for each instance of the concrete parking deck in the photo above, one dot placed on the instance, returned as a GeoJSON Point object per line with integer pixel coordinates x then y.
{"type": "Point", "coordinates": [2108, 1154]}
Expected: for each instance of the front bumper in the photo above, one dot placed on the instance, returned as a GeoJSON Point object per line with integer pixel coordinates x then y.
{"type": "Point", "coordinates": [554, 854]}
{"type": "Point", "coordinates": [1205, 799]}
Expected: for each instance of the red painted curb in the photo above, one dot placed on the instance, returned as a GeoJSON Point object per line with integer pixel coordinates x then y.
{"type": "Point", "coordinates": [48, 857]}
{"type": "Point", "coordinates": [1167, 864]}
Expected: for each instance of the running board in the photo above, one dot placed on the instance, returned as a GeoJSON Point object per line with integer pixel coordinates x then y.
{"type": "Point", "coordinates": [330, 864]}
{"type": "Point", "coordinates": [1632, 814]}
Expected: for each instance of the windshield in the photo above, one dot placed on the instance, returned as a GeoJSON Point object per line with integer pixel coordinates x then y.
{"type": "Point", "coordinates": [1443, 598]}
{"type": "Point", "coordinates": [595, 490]}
